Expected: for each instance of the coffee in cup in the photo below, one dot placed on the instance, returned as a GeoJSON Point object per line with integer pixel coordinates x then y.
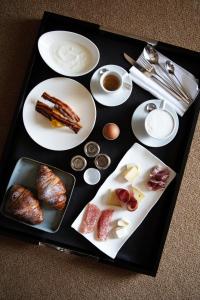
{"type": "Point", "coordinates": [111, 81]}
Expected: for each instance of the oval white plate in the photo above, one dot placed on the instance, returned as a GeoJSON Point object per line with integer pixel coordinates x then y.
{"type": "Point", "coordinates": [54, 42]}
{"type": "Point", "coordinates": [107, 99]}
{"type": "Point", "coordinates": [39, 127]}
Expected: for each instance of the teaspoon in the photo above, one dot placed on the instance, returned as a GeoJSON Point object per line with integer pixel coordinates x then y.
{"type": "Point", "coordinates": [171, 69]}
{"type": "Point", "coordinates": [150, 106]}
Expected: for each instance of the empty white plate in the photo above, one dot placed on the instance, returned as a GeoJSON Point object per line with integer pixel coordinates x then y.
{"type": "Point", "coordinates": [39, 127]}
{"type": "Point", "coordinates": [68, 53]}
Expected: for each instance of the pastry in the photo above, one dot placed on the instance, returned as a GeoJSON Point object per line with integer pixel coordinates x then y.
{"type": "Point", "coordinates": [50, 188]}
{"type": "Point", "coordinates": [24, 206]}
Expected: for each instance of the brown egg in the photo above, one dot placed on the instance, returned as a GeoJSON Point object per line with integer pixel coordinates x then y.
{"type": "Point", "coordinates": [111, 131]}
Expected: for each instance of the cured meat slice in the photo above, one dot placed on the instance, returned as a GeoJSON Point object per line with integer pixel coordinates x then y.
{"type": "Point", "coordinates": [103, 224]}
{"type": "Point", "coordinates": [132, 203]}
{"type": "Point", "coordinates": [123, 195]}
{"type": "Point", "coordinates": [90, 218]}
{"type": "Point", "coordinates": [158, 178]}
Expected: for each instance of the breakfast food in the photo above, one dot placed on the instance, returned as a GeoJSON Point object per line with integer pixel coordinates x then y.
{"type": "Point", "coordinates": [24, 206]}
{"type": "Point", "coordinates": [111, 131]}
{"type": "Point", "coordinates": [104, 224]}
{"type": "Point", "coordinates": [61, 114]}
{"type": "Point", "coordinates": [131, 173]}
{"type": "Point", "coordinates": [113, 198]}
{"type": "Point", "coordinates": [158, 178]}
{"type": "Point", "coordinates": [121, 229]}
{"type": "Point", "coordinates": [138, 195]}
{"type": "Point", "coordinates": [126, 199]}
{"type": "Point", "coordinates": [50, 188]}
{"type": "Point", "coordinates": [90, 218]}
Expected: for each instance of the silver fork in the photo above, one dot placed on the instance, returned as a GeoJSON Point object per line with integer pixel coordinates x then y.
{"type": "Point", "coordinates": [164, 82]}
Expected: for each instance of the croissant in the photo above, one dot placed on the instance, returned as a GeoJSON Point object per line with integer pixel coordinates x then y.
{"type": "Point", "coordinates": [24, 206]}
{"type": "Point", "coordinates": [50, 188]}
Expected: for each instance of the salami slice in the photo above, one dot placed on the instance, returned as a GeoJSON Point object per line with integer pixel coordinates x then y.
{"type": "Point", "coordinates": [123, 195]}
{"type": "Point", "coordinates": [90, 218]}
{"type": "Point", "coordinates": [103, 224]}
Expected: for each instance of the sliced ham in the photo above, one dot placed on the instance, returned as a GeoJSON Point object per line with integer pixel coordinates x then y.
{"type": "Point", "coordinates": [90, 218]}
{"type": "Point", "coordinates": [158, 178]}
{"type": "Point", "coordinates": [103, 224]}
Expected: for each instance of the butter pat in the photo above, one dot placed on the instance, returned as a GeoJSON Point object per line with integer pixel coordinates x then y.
{"type": "Point", "coordinates": [120, 232]}
{"type": "Point", "coordinates": [138, 195]}
{"type": "Point", "coordinates": [131, 173]}
{"type": "Point", "coordinates": [123, 222]}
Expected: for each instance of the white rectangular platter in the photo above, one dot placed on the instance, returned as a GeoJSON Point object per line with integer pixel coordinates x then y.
{"type": "Point", "coordinates": [137, 155]}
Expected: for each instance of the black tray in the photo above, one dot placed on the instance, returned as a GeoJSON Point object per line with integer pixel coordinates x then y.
{"type": "Point", "coordinates": [143, 250]}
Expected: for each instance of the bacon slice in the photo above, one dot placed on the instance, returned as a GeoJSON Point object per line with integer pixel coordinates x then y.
{"type": "Point", "coordinates": [103, 224]}
{"type": "Point", "coordinates": [158, 178]}
{"type": "Point", "coordinates": [90, 218]}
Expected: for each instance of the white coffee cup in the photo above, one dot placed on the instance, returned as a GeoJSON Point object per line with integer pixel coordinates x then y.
{"type": "Point", "coordinates": [160, 123]}
{"type": "Point", "coordinates": [111, 81]}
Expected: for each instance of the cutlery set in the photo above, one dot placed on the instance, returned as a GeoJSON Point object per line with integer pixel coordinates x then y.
{"type": "Point", "coordinates": [149, 65]}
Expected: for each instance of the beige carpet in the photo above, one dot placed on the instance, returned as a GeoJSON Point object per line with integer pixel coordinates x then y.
{"type": "Point", "coordinates": [29, 272]}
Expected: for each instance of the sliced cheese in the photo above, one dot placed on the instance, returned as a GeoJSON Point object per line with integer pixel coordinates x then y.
{"type": "Point", "coordinates": [131, 173]}
{"type": "Point", "coordinates": [113, 199]}
{"type": "Point", "coordinates": [138, 195]}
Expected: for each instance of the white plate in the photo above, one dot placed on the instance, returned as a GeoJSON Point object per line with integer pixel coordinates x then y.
{"type": "Point", "coordinates": [39, 128]}
{"type": "Point", "coordinates": [138, 155]}
{"type": "Point", "coordinates": [113, 99]}
{"type": "Point", "coordinates": [137, 124]}
{"type": "Point", "coordinates": [52, 47]}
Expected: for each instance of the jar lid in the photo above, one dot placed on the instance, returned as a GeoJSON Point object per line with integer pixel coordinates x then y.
{"type": "Point", "coordinates": [78, 163]}
{"type": "Point", "coordinates": [102, 161]}
{"type": "Point", "coordinates": [92, 176]}
{"type": "Point", "coordinates": [91, 149]}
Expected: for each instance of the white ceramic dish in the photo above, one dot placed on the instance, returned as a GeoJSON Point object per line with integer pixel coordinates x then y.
{"type": "Point", "coordinates": [25, 174]}
{"type": "Point", "coordinates": [68, 53]}
{"type": "Point", "coordinates": [138, 120]}
{"type": "Point", "coordinates": [110, 99]}
{"type": "Point", "coordinates": [39, 128]}
{"type": "Point", "coordinates": [137, 155]}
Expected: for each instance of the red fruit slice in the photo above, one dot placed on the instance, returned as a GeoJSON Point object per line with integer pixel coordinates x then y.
{"type": "Point", "coordinates": [123, 195]}
{"type": "Point", "coordinates": [132, 204]}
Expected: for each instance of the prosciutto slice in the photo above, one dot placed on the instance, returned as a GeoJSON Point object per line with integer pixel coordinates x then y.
{"type": "Point", "coordinates": [90, 218]}
{"type": "Point", "coordinates": [158, 178]}
{"type": "Point", "coordinates": [103, 224]}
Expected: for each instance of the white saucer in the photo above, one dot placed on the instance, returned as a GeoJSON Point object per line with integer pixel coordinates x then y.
{"type": "Point", "coordinates": [110, 99]}
{"type": "Point", "coordinates": [137, 124]}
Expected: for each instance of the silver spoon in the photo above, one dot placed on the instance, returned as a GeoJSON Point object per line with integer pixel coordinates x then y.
{"type": "Point", "coordinates": [150, 106]}
{"type": "Point", "coordinates": [151, 55]}
{"type": "Point", "coordinates": [103, 70]}
{"type": "Point", "coordinates": [171, 69]}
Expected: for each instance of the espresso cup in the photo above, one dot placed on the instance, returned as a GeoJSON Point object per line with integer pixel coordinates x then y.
{"type": "Point", "coordinates": [111, 81]}
{"type": "Point", "coordinates": [159, 124]}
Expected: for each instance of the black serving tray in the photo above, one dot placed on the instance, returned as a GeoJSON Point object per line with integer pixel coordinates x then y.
{"type": "Point", "coordinates": [143, 250]}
